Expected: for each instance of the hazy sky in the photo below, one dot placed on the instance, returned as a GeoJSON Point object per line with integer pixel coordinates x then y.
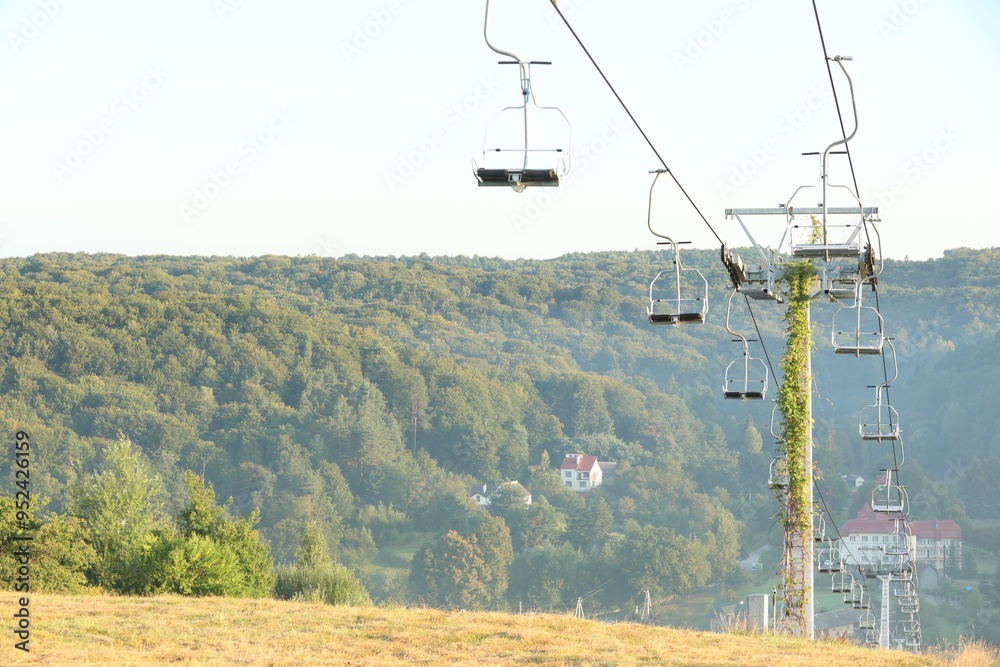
{"type": "Point", "coordinates": [244, 127]}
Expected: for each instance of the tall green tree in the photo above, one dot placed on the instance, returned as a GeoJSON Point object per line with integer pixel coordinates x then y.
{"type": "Point", "coordinates": [661, 561]}
{"type": "Point", "coordinates": [121, 508]}
{"type": "Point", "coordinates": [464, 571]}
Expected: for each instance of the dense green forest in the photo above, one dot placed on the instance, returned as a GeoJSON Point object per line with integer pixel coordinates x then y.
{"type": "Point", "coordinates": [353, 403]}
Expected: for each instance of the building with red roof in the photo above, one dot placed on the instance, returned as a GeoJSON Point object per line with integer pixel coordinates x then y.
{"type": "Point", "coordinates": [581, 473]}
{"type": "Point", "coordinates": [934, 542]}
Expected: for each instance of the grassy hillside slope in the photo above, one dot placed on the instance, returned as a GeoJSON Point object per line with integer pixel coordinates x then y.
{"type": "Point", "coordinates": [98, 630]}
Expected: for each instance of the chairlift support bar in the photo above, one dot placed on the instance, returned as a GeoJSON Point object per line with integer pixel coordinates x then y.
{"type": "Point", "coordinates": [866, 211]}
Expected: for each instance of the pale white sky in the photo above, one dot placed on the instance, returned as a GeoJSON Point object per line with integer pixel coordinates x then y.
{"type": "Point", "coordinates": [244, 127]}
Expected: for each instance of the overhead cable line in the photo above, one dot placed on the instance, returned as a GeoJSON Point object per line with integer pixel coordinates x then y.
{"type": "Point", "coordinates": [634, 121]}
{"type": "Point", "coordinates": [836, 99]}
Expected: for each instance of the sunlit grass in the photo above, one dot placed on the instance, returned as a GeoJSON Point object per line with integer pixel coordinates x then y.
{"type": "Point", "coordinates": [100, 630]}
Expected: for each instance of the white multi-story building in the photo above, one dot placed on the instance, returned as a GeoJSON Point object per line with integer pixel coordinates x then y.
{"type": "Point", "coordinates": [581, 473]}
{"type": "Point", "coordinates": [872, 539]}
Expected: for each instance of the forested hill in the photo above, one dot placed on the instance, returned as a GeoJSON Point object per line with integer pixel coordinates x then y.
{"type": "Point", "coordinates": [331, 389]}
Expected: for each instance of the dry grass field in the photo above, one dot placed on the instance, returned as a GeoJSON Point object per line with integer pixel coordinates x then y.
{"type": "Point", "coordinates": [103, 630]}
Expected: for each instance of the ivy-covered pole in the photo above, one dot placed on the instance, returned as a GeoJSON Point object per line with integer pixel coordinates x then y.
{"type": "Point", "coordinates": [795, 403]}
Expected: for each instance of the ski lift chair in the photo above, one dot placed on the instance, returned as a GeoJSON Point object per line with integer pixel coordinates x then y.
{"type": "Point", "coordinates": [829, 559]}
{"type": "Point", "coordinates": [841, 582]}
{"type": "Point", "coordinates": [899, 543]}
{"type": "Point", "coordinates": [819, 528]}
{"type": "Point", "coordinates": [857, 330]}
{"type": "Point", "coordinates": [778, 475]}
{"type": "Point", "coordinates": [907, 592]}
{"type": "Point", "coordinates": [853, 595]}
{"type": "Point", "coordinates": [746, 376]}
{"type": "Point", "coordinates": [677, 299]}
{"type": "Point", "coordinates": [523, 166]}
{"type": "Point", "coordinates": [864, 601]}
{"type": "Point", "coordinates": [682, 297]}
{"type": "Point", "coordinates": [879, 421]}
{"type": "Point", "coordinates": [867, 621]}
{"type": "Point", "coordinates": [890, 497]}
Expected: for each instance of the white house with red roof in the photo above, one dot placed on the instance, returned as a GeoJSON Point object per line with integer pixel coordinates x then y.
{"type": "Point", "coordinates": [581, 473]}
{"type": "Point", "coordinates": [932, 542]}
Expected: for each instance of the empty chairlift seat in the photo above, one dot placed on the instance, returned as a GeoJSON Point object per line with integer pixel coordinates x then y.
{"type": "Point", "coordinates": [879, 421]}
{"type": "Point", "coordinates": [857, 330]}
{"type": "Point", "coordinates": [746, 378]}
{"type": "Point", "coordinates": [889, 497]}
{"type": "Point", "coordinates": [510, 156]}
{"type": "Point", "coordinates": [515, 178]}
{"type": "Point", "coordinates": [678, 295]}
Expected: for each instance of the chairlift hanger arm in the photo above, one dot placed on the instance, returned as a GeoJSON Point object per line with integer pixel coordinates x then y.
{"type": "Point", "coordinates": [486, 36]}
{"type": "Point", "coordinates": [826, 154]}
{"type": "Point", "coordinates": [649, 209]}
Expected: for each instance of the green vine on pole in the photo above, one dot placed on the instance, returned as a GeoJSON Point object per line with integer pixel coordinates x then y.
{"type": "Point", "coordinates": [796, 431]}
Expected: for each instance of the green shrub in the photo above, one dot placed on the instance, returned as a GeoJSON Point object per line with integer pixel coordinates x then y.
{"type": "Point", "coordinates": [333, 584]}
{"type": "Point", "coordinates": [193, 565]}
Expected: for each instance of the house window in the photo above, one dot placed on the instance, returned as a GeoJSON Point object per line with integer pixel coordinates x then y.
{"type": "Point", "coordinates": [583, 485]}
{"type": "Point", "coordinates": [584, 475]}
{"type": "Point", "coordinates": [864, 538]}
{"type": "Point", "coordinates": [569, 484]}
{"type": "Point", "coordinates": [569, 473]}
